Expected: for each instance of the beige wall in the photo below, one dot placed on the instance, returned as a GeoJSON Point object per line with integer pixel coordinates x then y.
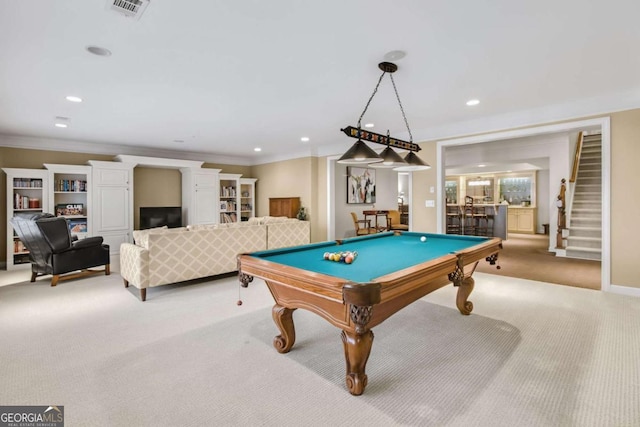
{"type": "Point", "coordinates": [155, 187]}
{"type": "Point", "coordinates": [424, 219]}
{"type": "Point", "coordinates": [625, 197]}
{"type": "Point", "coordinates": [291, 178]}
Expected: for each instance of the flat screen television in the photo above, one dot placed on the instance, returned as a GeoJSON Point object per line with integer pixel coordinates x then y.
{"type": "Point", "coordinates": [151, 217]}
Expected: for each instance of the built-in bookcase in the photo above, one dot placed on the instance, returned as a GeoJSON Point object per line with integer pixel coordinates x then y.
{"type": "Point", "coordinates": [27, 193]}
{"type": "Point", "coordinates": [247, 198]}
{"type": "Point", "coordinates": [229, 197]}
{"type": "Point", "coordinates": [69, 187]}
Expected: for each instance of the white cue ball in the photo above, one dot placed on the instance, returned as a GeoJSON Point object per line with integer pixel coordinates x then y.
{"type": "Point", "coordinates": [423, 239]}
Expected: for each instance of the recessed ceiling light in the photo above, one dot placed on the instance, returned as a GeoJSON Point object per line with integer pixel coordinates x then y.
{"type": "Point", "coordinates": [257, 149]}
{"type": "Point", "coordinates": [72, 98]}
{"type": "Point", "coordinates": [304, 139]}
{"type": "Point", "coordinates": [97, 50]}
{"type": "Point", "coordinates": [61, 122]}
{"type": "Point", "coordinates": [473, 102]}
{"type": "Point", "coordinates": [369, 125]}
{"type": "Point", "coordinates": [481, 166]}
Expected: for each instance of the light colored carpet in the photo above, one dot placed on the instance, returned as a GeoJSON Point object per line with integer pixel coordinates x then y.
{"type": "Point", "coordinates": [531, 354]}
{"type": "Point", "coordinates": [527, 256]}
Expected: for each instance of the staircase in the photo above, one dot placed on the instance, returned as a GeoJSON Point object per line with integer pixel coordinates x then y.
{"type": "Point", "coordinates": [585, 227]}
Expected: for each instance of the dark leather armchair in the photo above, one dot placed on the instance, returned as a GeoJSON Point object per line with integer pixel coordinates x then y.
{"type": "Point", "coordinates": [52, 249]}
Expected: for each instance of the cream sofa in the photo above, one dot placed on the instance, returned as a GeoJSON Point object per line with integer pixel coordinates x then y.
{"type": "Point", "coordinates": [162, 256]}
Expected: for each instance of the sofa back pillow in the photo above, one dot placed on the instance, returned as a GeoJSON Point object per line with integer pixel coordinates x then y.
{"type": "Point", "coordinates": [141, 237]}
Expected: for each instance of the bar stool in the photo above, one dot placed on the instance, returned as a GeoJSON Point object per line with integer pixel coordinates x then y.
{"type": "Point", "coordinates": [454, 219]}
{"type": "Point", "coordinates": [468, 222]}
{"type": "Point", "coordinates": [480, 220]}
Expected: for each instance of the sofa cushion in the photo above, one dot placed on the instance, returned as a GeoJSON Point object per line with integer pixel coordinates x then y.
{"type": "Point", "coordinates": [256, 220]}
{"type": "Point", "coordinates": [141, 237]}
{"type": "Point", "coordinates": [275, 219]}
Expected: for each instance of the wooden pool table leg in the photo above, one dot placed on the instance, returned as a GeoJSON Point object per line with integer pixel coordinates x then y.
{"type": "Point", "coordinates": [464, 290]}
{"type": "Point", "coordinates": [357, 348]}
{"type": "Point", "coordinates": [284, 320]}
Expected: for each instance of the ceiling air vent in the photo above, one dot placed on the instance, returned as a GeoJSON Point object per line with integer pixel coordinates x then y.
{"type": "Point", "coordinates": [128, 8]}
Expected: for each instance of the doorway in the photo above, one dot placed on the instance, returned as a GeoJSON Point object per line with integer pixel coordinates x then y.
{"type": "Point", "coordinates": [404, 197]}
{"type": "Point", "coordinates": [561, 169]}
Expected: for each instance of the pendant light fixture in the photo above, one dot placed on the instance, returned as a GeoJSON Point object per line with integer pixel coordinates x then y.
{"type": "Point", "coordinates": [360, 153]}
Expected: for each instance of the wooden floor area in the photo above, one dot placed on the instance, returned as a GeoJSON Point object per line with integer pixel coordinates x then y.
{"type": "Point", "coordinates": [527, 257]}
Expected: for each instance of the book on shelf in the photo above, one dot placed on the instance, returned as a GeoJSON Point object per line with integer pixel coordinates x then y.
{"type": "Point", "coordinates": [27, 183]}
{"type": "Point", "coordinates": [69, 209]}
{"type": "Point", "coordinates": [227, 206]}
{"type": "Point", "coordinates": [18, 247]}
{"type": "Point", "coordinates": [77, 225]}
{"type": "Point", "coordinates": [71, 185]}
{"type": "Point", "coordinates": [25, 202]}
{"type": "Point", "coordinates": [228, 192]}
{"type": "Point", "coordinates": [228, 217]}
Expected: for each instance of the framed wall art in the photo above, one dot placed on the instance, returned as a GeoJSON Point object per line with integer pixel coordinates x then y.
{"type": "Point", "coordinates": [361, 185]}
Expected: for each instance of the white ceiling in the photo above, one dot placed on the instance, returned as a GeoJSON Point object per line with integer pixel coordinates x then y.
{"type": "Point", "coordinates": [228, 76]}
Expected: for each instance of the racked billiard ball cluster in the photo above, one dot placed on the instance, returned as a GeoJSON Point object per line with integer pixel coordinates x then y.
{"type": "Point", "coordinates": [347, 257]}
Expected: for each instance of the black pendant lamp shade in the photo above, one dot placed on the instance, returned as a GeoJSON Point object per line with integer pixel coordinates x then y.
{"type": "Point", "coordinates": [413, 163]}
{"type": "Point", "coordinates": [390, 159]}
{"type": "Point", "coordinates": [359, 153]}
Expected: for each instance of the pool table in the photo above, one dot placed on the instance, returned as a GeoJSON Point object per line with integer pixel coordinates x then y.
{"type": "Point", "coordinates": [391, 270]}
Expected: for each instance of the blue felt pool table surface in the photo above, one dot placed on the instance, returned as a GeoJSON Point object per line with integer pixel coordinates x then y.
{"type": "Point", "coordinates": [378, 254]}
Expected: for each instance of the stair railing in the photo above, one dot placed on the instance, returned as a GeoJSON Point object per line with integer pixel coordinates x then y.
{"type": "Point", "coordinates": [576, 158]}
{"type": "Point", "coordinates": [562, 214]}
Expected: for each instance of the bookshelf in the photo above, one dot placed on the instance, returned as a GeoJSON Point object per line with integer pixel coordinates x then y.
{"type": "Point", "coordinates": [247, 198]}
{"type": "Point", "coordinates": [229, 197]}
{"type": "Point", "coordinates": [69, 187]}
{"type": "Point", "coordinates": [27, 193]}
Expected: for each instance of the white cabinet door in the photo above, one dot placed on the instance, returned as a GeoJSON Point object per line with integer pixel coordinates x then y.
{"type": "Point", "coordinates": [112, 202]}
{"type": "Point", "coordinates": [112, 210]}
{"type": "Point", "coordinates": [199, 196]}
{"type": "Point", "coordinates": [119, 177]}
{"type": "Point", "coordinates": [204, 204]}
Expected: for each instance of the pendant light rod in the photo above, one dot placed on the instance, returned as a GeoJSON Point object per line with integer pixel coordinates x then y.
{"type": "Point", "coordinates": [380, 139]}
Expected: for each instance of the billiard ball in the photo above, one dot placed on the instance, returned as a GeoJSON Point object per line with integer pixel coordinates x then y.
{"type": "Point", "coordinates": [423, 239]}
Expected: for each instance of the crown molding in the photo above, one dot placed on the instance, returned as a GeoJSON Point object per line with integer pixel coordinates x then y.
{"type": "Point", "coordinates": [51, 144]}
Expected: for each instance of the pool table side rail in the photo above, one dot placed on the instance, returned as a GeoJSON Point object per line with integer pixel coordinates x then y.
{"type": "Point", "coordinates": [293, 288]}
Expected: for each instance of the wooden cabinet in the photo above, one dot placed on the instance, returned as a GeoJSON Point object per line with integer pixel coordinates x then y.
{"type": "Point", "coordinates": [284, 206]}
{"type": "Point", "coordinates": [27, 193]}
{"type": "Point", "coordinates": [199, 196]}
{"type": "Point", "coordinates": [112, 188]}
{"type": "Point", "coordinates": [521, 220]}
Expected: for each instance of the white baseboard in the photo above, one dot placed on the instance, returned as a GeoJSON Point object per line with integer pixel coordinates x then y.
{"type": "Point", "coordinates": [625, 290]}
